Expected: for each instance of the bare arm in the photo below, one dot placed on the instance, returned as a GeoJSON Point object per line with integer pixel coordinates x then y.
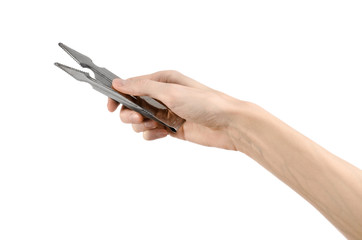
{"type": "Point", "coordinates": [330, 184]}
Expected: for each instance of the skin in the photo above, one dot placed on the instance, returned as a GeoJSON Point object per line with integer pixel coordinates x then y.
{"type": "Point", "coordinates": [330, 184]}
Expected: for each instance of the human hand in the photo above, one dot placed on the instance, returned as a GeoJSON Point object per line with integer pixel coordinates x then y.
{"type": "Point", "coordinates": [215, 119]}
{"type": "Point", "coordinates": [207, 112]}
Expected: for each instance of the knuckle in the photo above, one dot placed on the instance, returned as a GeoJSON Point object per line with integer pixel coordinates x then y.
{"type": "Point", "coordinates": [164, 75]}
{"type": "Point", "coordinates": [170, 98]}
{"type": "Point", "coordinates": [172, 73]}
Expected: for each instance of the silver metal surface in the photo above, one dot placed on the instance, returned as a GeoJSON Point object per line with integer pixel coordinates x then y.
{"type": "Point", "coordinates": [148, 107]}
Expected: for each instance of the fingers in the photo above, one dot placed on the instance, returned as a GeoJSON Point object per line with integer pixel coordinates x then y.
{"type": "Point", "coordinates": [171, 76]}
{"type": "Point", "coordinates": [155, 134]}
{"type": "Point", "coordinates": [129, 116]}
{"type": "Point", "coordinates": [144, 126]}
{"type": "Point", "coordinates": [112, 105]}
{"type": "Point", "coordinates": [151, 129]}
{"type": "Point", "coordinates": [170, 87]}
{"type": "Point", "coordinates": [144, 87]}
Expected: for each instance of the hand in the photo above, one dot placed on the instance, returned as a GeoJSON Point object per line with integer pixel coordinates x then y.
{"type": "Point", "coordinates": [207, 112]}
{"type": "Point", "coordinates": [215, 119]}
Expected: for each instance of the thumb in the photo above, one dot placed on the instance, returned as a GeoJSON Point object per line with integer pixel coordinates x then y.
{"type": "Point", "coordinates": [141, 87]}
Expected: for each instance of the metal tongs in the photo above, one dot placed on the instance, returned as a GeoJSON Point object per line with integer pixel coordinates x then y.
{"type": "Point", "coordinates": [148, 107]}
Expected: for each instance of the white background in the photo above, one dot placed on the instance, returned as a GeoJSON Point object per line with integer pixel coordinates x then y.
{"type": "Point", "coordinates": [71, 170]}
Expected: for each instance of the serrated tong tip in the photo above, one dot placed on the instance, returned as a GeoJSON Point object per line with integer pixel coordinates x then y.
{"type": "Point", "coordinates": [80, 58]}
{"type": "Point", "coordinates": [77, 74]}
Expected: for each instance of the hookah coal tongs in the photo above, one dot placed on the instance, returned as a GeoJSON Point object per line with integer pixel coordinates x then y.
{"type": "Point", "coordinates": [147, 106]}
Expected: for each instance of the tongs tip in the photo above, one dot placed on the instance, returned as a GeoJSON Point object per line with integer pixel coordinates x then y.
{"type": "Point", "coordinates": [64, 47]}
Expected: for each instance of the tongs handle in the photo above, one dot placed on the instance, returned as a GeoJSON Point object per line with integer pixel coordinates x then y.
{"type": "Point", "coordinates": [155, 110]}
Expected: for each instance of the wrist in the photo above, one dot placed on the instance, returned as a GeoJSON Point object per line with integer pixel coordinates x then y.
{"type": "Point", "coordinates": [245, 120]}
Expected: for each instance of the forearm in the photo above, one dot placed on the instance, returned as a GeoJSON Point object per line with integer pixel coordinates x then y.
{"type": "Point", "coordinates": [329, 183]}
